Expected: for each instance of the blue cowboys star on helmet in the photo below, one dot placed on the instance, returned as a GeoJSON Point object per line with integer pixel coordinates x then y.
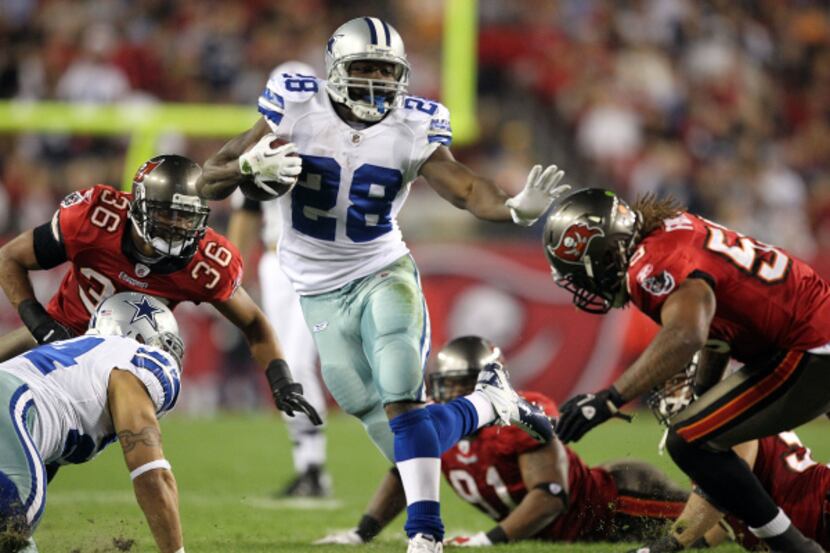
{"type": "Point", "coordinates": [145, 310]}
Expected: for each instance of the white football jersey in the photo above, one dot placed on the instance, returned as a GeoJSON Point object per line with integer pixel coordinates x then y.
{"type": "Point", "coordinates": [340, 220]}
{"type": "Point", "coordinates": [68, 381]}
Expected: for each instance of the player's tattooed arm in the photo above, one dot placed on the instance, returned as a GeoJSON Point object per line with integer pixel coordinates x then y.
{"type": "Point", "coordinates": [456, 183]}
{"type": "Point", "coordinates": [685, 319]}
{"type": "Point", "coordinates": [220, 173]}
{"type": "Point", "coordinates": [134, 418]}
{"type": "Point", "coordinates": [149, 436]}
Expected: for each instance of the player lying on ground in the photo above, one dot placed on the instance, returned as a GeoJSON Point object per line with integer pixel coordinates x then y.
{"type": "Point", "coordinates": [538, 491]}
{"type": "Point", "coordinates": [799, 485]}
{"type": "Point", "coordinates": [66, 401]}
{"type": "Point", "coordinates": [154, 241]}
{"type": "Point", "coordinates": [703, 283]}
{"type": "Point", "coordinates": [361, 143]}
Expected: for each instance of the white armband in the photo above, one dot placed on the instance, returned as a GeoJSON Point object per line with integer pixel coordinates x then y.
{"type": "Point", "coordinates": [152, 465]}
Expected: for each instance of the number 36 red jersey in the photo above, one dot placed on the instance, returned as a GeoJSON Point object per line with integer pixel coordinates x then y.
{"type": "Point", "coordinates": [767, 300]}
{"type": "Point", "coordinates": [91, 224]}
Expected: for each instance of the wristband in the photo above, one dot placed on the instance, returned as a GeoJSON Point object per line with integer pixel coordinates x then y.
{"type": "Point", "coordinates": [147, 467]}
{"type": "Point", "coordinates": [278, 374]}
{"type": "Point", "coordinates": [615, 397]}
{"type": "Point", "coordinates": [368, 528]}
{"type": "Point", "coordinates": [32, 313]}
{"type": "Point", "coordinates": [497, 535]}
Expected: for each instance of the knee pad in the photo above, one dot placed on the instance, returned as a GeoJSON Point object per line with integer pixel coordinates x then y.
{"type": "Point", "coordinates": [397, 361]}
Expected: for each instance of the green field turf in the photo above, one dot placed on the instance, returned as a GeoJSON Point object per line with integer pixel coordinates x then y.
{"type": "Point", "coordinates": [227, 466]}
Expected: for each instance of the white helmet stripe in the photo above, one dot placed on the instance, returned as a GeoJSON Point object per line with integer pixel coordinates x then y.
{"type": "Point", "coordinates": [378, 32]}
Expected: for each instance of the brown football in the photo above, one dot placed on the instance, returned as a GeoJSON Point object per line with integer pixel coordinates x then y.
{"type": "Point", "coordinates": [249, 187]}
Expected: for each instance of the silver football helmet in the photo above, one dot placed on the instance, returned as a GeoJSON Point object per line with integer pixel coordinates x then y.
{"type": "Point", "coordinates": [675, 394]}
{"type": "Point", "coordinates": [366, 38]}
{"type": "Point", "coordinates": [459, 363]}
{"type": "Point", "coordinates": [166, 210]}
{"type": "Point", "coordinates": [140, 317]}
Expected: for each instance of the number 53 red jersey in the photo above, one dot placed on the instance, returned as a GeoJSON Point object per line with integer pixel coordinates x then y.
{"type": "Point", "coordinates": [91, 224]}
{"type": "Point", "coordinates": [767, 300]}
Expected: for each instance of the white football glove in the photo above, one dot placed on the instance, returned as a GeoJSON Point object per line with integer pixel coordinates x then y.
{"type": "Point", "coordinates": [476, 540]}
{"type": "Point", "coordinates": [346, 537]}
{"type": "Point", "coordinates": [539, 192]}
{"type": "Point", "coordinates": [272, 163]}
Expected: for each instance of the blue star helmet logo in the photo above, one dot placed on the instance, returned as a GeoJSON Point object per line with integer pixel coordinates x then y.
{"type": "Point", "coordinates": [145, 310]}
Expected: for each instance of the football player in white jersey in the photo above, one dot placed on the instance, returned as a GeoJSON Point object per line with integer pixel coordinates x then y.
{"type": "Point", "coordinates": [361, 142]}
{"type": "Point", "coordinates": [282, 307]}
{"type": "Point", "coordinates": [66, 401]}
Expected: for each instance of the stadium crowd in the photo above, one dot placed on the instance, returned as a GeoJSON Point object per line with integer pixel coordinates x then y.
{"type": "Point", "coordinates": [720, 103]}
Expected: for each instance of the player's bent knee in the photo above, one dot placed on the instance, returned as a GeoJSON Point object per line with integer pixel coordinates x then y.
{"type": "Point", "coordinates": [400, 373]}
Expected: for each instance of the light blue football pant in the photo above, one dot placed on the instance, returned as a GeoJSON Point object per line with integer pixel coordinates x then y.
{"type": "Point", "coordinates": [22, 473]}
{"type": "Point", "coordinates": [373, 339]}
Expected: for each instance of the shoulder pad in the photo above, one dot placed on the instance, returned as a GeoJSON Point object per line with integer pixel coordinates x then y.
{"type": "Point", "coordinates": [286, 88]}
{"type": "Point", "coordinates": [434, 116]}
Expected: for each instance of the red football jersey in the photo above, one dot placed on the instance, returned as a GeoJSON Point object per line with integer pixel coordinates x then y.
{"type": "Point", "coordinates": [92, 223]}
{"type": "Point", "coordinates": [483, 469]}
{"type": "Point", "coordinates": [766, 299]}
{"type": "Point", "coordinates": [797, 483]}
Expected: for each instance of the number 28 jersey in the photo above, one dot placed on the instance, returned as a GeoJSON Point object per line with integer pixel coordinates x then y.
{"type": "Point", "coordinates": [339, 222]}
{"type": "Point", "coordinates": [90, 224]}
{"type": "Point", "coordinates": [767, 300]}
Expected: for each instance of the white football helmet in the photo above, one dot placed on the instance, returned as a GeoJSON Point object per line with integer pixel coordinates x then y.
{"type": "Point", "coordinates": [140, 317]}
{"type": "Point", "coordinates": [366, 38]}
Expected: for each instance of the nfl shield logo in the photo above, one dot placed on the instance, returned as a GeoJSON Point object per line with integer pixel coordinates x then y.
{"type": "Point", "coordinates": [141, 270]}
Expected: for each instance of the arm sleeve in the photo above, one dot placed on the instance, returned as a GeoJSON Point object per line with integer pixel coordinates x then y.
{"type": "Point", "coordinates": [432, 122]}
{"type": "Point", "coordinates": [72, 218]}
{"type": "Point", "coordinates": [48, 243]}
{"type": "Point", "coordinates": [160, 375]}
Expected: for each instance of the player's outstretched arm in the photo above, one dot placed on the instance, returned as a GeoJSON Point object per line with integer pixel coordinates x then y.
{"type": "Point", "coordinates": [134, 419]}
{"type": "Point", "coordinates": [19, 256]}
{"type": "Point", "coordinates": [221, 173]}
{"type": "Point", "coordinates": [387, 503]}
{"type": "Point", "coordinates": [241, 310]}
{"type": "Point", "coordinates": [685, 319]}
{"type": "Point", "coordinates": [456, 183]}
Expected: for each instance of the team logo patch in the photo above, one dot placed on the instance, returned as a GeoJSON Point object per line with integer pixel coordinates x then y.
{"type": "Point", "coordinates": [320, 327]}
{"type": "Point", "coordinates": [659, 284]}
{"type": "Point", "coordinates": [146, 169]}
{"type": "Point", "coordinates": [73, 199]}
{"type": "Point", "coordinates": [145, 310]}
{"type": "Point", "coordinates": [574, 242]}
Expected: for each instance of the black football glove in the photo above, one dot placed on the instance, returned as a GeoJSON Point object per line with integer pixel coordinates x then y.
{"type": "Point", "coordinates": [288, 395]}
{"type": "Point", "coordinates": [43, 327]}
{"type": "Point", "coordinates": [583, 412]}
